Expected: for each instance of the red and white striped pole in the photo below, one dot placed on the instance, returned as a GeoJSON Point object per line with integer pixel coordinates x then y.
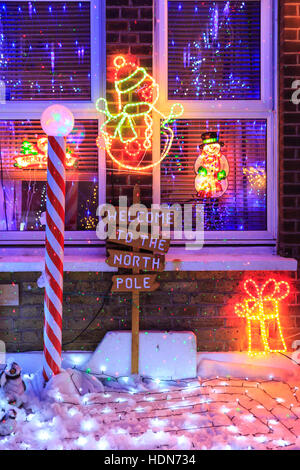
{"type": "Point", "coordinates": [57, 121]}
{"type": "Point", "coordinates": [71, 203]}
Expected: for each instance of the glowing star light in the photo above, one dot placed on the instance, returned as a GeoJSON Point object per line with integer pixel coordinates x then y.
{"type": "Point", "coordinates": [130, 129]}
{"type": "Point", "coordinates": [260, 306]}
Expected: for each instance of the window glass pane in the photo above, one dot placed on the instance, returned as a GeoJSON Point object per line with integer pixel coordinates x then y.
{"type": "Point", "coordinates": [23, 175]}
{"type": "Point", "coordinates": [45, 50]}
{"type": "Point", "coordinates": [238, 168]}
{"type": "Point", "coordinates": [214, 50]}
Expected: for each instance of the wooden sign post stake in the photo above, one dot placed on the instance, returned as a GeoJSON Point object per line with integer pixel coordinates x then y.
{"type": "Point", "coordinates": [135, 314]}
{"type": "Point", "coordinates": [135, 283]}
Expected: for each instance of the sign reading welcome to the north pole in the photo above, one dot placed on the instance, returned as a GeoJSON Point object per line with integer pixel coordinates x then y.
{"type": "Point", "coordinates": [150, 260]}
{"type": "Point", "coordinates": [137, 261]}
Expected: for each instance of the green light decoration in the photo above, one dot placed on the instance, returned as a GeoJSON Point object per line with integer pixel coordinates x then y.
{"type": "Point", "coordinates": [202, 171]}
{"type": "Point", "coordinates": [131, 128]}
{"type": "Point", "coordinates": [221, 175]}
{"type": "Point", "coordinates": [27, 148]}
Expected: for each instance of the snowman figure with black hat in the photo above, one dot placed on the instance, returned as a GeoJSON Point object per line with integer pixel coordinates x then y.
{"type": "Point", "coordinates": [12, 384]}
{"type": "Point", "coordinates": [211, 168]}
{"type": "Point", "coordinates": [13, 389]}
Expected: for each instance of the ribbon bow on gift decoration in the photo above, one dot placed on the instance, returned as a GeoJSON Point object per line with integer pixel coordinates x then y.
{"type": "Point", "coordinates": [262, 305]}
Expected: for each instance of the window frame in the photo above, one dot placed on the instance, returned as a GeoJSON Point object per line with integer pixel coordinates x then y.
{"type": "Point", "coordinates": [81, 110]}
{"type": "Point", "coordinates": [265, 108]}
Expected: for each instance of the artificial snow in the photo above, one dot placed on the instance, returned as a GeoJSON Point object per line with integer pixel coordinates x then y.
{"type": "Point", "coordinates": [76, 410]}
{"type": "Point", "coordinates": [208, 365]}
{"type": "Point", "coordinates": [240, 364]}
{"type": "Point", "coordinates": [71, 383]}
{"type": "Point", "coordinates": [165, 355]}
{"type": "Point", "coordinates": [222, 413]}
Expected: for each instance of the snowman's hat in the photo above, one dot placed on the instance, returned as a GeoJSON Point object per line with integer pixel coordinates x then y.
{"type": "Point", "coordinates": [13, 371]}
{"type": "Point", "coordinates": [210, 138]}
{"type": "Point", "coordinates": [129, 76]}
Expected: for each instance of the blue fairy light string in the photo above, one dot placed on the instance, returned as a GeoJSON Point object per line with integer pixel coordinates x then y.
{"type": "Point", "coordinates": [206, 70]}
{"type": "Point", "coordinates": [50, 55]}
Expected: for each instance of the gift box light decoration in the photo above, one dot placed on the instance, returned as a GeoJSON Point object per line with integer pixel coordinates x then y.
{"type": "Point", "coordinates": [262, 305]}
{"type": "Point", "coordinates": [35, 155]}
{"type": "Point", "coordinates": [211, 168]}
{"type": "Point", "coordinates": [131, 128]}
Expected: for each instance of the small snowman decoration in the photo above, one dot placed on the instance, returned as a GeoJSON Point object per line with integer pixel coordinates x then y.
{"type": "Point", "coordinates": [13, 389]}
{"type": "Point", "coordinates": [12, 384]}
{"type": "Point", "coordinates": [211, 168]}
{"type": "Point", "coordinates": [8, 423]}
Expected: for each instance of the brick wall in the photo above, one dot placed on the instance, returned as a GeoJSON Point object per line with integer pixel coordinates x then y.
{"type": "Point", "coordinates": [289, 225]}
{"type": "Point", "coordinates": [199, 301]}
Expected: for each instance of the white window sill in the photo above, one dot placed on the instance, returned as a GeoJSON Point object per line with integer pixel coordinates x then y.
{"type": "Point", "coordinates": [177, 259]}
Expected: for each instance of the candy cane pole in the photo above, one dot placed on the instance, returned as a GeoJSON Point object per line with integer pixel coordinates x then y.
{"type": "Point", "coordinates": [71, 203]}
{"type": "Point", "coordinates": [57, 121]}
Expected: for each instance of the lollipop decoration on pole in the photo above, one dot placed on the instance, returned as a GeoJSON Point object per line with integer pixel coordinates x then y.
{"type": "Point", "coordinates": [130, 129]}
{"type": "Point", "coordinates": [57, 122]}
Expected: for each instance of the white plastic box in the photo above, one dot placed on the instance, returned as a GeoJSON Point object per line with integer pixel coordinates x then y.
{"type": "Point", "coordinates": [166, 355]}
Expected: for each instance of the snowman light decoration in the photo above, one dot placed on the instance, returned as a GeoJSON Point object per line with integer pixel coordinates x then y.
{"type": "Point", "coordinates": [127, 132]}
{"type": "Point", "coordinates": [211, 168]}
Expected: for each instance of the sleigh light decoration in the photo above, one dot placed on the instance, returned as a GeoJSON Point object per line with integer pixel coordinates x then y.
{"type": "Point", "coordinates": [211, 168]}
{"type": "Point", "coordinates": [36, 156]}
{"type": "Point", "coordinates": [260, 306]}
{"type": "Point", "coordinates": [129, 131]}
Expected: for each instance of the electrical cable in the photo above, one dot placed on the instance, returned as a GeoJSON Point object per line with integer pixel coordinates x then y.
{"type": "Point", "coordinates": [290, 358]}
{"type": "Point", "coordinates": [143, 378]}
{"type": "Point", "coordinates": [104, 299]}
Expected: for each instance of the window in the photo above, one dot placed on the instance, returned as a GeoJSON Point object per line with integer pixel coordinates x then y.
{"type": "Point", "coordinates": [23, 160]}
{"type": "Point", "coordinates": [242, 206]}
{"type": "Point", "coordinates": [217, 59]}
{"type": "Point", "coordinates": [218, 56]}
{"type": "Point", "coordinates": [46, 50]}
{"type": "Point", "coordinates": [49, 52]}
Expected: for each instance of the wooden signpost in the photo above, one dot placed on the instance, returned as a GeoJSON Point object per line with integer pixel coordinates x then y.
{"type": "Point", "coordinates": [137, 261]}
{"type": "Point", "coordinates": [134, 283]}
{"type": "Point", "coordinates": [156, 245]}
{"type": "Point", "coordinates": [130, 260]}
